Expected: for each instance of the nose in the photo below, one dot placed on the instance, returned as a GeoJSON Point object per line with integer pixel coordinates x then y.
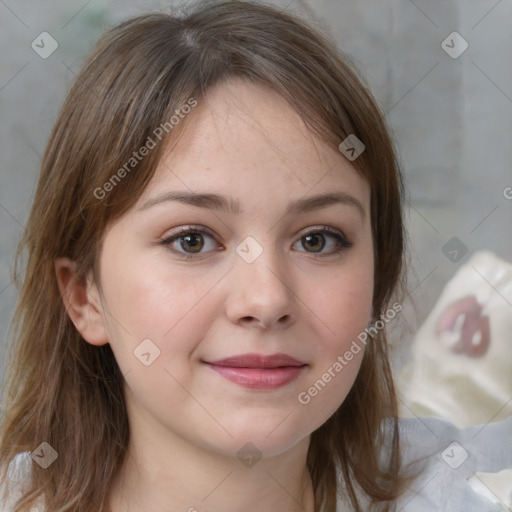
{"type": "Point", "coordinates": [262, 294]}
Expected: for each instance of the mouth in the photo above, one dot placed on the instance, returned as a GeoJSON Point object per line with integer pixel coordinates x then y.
{"type": "Point", "coordinates": [258, 371]}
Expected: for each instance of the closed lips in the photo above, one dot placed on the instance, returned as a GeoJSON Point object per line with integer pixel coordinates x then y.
{"type": "Point", "coordinates": [259, 372]}
{"type": "Point", "coordinates": [258, 361]}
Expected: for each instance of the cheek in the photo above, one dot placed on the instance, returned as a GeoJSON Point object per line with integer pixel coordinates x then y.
{"type": "Point", "coordinates": [344, 305]}
{"type": "Point", "coordinates": [146, 295]}
{"type": "Point", "coordinates": [156, 301]}
{"type": "Point", "coordinates": [343, 308]}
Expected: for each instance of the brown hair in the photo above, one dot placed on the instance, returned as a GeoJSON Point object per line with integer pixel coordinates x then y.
{"type": "Point", "coordinates": [62, 390]}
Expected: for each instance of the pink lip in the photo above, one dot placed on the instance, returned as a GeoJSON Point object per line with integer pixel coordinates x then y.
{"type": "Point", "coordinates": [257, 371]}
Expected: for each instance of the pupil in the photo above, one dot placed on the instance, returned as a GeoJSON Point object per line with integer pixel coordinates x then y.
{"type": "Point", "coordinates": [316, 237]}
{"type": "Point", "coordinates": [194, 241]}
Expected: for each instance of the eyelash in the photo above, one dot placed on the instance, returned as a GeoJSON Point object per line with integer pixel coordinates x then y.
{"type": "Point", "coordinates": [342, 242]}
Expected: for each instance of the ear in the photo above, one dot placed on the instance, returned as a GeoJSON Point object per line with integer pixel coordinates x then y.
{"type": "Point", "coordinates": [82, 301]}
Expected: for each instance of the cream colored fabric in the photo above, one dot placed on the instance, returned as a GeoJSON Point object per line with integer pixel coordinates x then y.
{"type": "Point", "coordinates": [459, 388]}
{"type": "Point", "coordinates": [472, 387]}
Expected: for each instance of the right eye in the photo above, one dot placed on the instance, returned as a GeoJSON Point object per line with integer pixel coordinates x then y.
{"type": "Point", "coordinates": [191, 240]}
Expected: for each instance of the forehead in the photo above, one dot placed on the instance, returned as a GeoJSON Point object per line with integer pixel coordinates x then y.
{"type": "Point", "coordinates": [245, 138]}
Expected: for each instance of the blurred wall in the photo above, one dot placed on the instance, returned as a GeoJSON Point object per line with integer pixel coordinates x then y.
{"type": "Point", "coordinates": [449, 107]}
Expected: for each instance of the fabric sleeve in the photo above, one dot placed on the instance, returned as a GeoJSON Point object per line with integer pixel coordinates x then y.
{"type": "Point", "coordinates": [448, 459]}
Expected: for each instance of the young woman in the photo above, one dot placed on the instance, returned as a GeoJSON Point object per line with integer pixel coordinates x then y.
{"type": "Point", "coordinates": [213, 248]}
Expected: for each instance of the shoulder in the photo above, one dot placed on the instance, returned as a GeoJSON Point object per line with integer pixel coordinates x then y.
{"type": "Point", "coordinates": [18, 475]}
{"type": "Point", "coordinates": [466, 469]}
{"type": "Point", "coordinates": [454, 463]}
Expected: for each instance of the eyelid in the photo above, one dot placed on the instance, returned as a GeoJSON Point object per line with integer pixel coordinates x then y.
{"type": "Point", "coordinates": [190, 228]}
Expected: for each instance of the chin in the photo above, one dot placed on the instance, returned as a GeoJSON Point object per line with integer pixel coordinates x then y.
{"type": "Point", "coordinates": [267, 435]}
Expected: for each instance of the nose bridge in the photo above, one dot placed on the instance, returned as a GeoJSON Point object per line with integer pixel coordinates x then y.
{"type": "Point", "coordinates": [261, 264]}
{"type": "Point", "coordinates": [263, 289]}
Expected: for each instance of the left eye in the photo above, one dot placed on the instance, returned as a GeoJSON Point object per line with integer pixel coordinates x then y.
{"type": "Point", "coordinates": [316, 240]}
{"type": "Point", "coordinates": [192, 241]}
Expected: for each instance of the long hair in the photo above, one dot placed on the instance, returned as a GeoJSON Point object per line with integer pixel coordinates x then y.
{"type": "Point", "coordinates": [60, 389]}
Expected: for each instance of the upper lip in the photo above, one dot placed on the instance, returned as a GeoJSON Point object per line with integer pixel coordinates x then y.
{"type": "Point", "coordinates": [258, 361]}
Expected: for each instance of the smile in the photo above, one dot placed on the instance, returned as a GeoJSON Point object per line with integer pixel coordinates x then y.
{"type": "Point", "coordinates": [256, 371]}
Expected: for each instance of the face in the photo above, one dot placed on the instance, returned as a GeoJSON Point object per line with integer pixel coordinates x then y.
{"type": "Point", "coordinates": [229, 315]}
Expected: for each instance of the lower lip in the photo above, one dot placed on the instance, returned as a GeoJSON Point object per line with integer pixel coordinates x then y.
{"type": "Point", "coordinates": [258, 378]}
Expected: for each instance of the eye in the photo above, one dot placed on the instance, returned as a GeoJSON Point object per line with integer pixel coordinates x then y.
{"type": "Point", "coordinates": [316, 241]}
{"type": "Point", "coordinates": [191, 240]}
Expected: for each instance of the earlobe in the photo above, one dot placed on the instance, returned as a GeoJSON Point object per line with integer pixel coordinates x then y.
{"type": "Point", "coordinates": [82, 302]}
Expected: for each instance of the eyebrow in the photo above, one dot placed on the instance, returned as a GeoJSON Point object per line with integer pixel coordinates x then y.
{"type": "Point", "coordinates": [230, 205]}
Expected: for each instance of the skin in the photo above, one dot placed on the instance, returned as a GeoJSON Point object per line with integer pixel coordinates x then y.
{"type": "Point", "coordinates": [188, 422]}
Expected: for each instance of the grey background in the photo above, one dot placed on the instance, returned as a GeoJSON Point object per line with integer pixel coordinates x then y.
{"type": "Point", "coordinates": [451, 118]}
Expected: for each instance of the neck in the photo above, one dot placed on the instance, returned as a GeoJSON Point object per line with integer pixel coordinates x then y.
{"type": "Point", "coordinates": [172, 475]}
